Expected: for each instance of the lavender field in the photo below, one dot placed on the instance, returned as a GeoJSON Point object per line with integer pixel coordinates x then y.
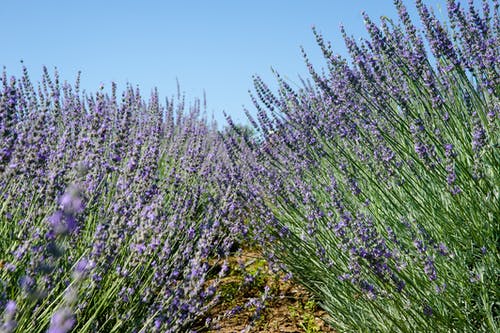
{"type": "Point", "coordinates": [375, 186]}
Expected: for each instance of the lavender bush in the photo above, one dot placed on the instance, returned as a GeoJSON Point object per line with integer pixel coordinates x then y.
{"type": "Point", "coordinates": [385, 170]}
{"type": "Point", "coordinates": [376, 185]}
{"type": "Point", "coordinates": [113, 213]}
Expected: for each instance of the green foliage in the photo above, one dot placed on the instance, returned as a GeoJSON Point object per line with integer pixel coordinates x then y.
{"type": "Point", "coordinates": [305, 314]}
{"type": "Point", "coordinates": [409, 215]}
{"type": "Point", "coordinates": [394, 223]}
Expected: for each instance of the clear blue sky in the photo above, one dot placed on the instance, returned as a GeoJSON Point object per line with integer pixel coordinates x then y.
{"type": "Point", "coordinates": [212, 46]}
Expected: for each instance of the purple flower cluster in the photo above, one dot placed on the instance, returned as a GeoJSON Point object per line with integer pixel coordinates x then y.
{"type": "Point", "coordinates": [394, 134]}
{"type": "Point", "coordinates": [118, 210]}
{"type": "Point", "coordinates": [375, 185]}
{"type": "Point", "coordinates": [8, 322]}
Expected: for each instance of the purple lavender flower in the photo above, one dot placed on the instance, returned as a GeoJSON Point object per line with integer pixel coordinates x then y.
{"type": "Point", "coordinates": [9, 323]}
{"type": "Point", "coordinates": [72, 202]}
{"type": "Point", "coordinates": [478, 138]}
{"type": "Point", "coordinates": [427, 310]}
{"type": "Point", "coordinates": [430, 269]}
{"type": "Point", "coordinates": [62, 321]}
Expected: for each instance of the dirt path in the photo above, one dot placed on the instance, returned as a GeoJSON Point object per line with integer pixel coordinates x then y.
{"type": "Point", "coordinates": [288, 307]}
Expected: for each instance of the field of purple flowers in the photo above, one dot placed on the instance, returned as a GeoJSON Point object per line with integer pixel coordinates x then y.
{"type": "Point", "coordinates": [376, 186]}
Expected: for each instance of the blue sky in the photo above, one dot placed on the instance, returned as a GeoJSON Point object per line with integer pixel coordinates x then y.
{"type": "Point", "coordinates": [212, 46]}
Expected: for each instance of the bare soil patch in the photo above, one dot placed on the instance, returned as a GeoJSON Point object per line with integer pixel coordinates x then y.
{"type": "Point", "coordinates": [288, 307]}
